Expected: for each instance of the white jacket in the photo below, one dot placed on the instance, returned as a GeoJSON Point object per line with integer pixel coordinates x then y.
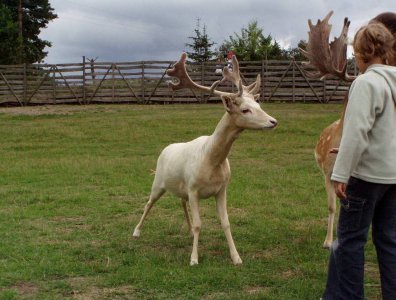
{"type": "Point", "coordinates": [368, 145]}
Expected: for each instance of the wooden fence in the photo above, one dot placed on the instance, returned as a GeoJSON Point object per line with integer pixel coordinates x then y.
{"type": "Point", "coordinates": [145, 82]}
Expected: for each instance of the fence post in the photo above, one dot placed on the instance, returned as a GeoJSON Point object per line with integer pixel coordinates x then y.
{"type": "Point", "coordinates": [142, 87]}
{"type": "Point", "coordinates": [24, 84]}
{"type": "Point", "coordinates": [53, 85]}
{"type": "Point", "coordinates": [113, 83]}
{"type": "Point", "coordinates": [355, 71]}
{"type": "Point", "coordinates": [262, 81]}
{"type": "Point", "coordinates": [293, 81]}
{"type": "Point", "coordinates": [84, 81]}
{"type": "Point", "coordinates": [202, 80]}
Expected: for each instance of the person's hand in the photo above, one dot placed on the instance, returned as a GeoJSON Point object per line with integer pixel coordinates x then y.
{"type": "Point", "coordinates": [340, 188]}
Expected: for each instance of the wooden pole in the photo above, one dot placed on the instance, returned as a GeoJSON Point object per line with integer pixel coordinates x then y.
{"type": "Point", "coordinates": [113, 83]}
{"type": "Point", "coordinates": [20, 32]}
{"type": "Point", "coordinates": [53, 85]}
{"type": "Point", "coordinates": [202, 81]}
{"type": "Point", "coordinates": [24, 100]}
{"type": "Point", "coordinates": [84, 82]}
{"type": "Point", "coordinates": [262, 80]}
{"type": "Point", "coordinates": [293, 81]}
{"type": "Point", "coordinates": [143, 97]}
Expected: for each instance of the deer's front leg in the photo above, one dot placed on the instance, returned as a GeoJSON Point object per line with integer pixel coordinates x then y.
{"type": "Point", "coordinates": [196, 226]}
{"type": "Point", "coordinates": [184, 204]}
{"type": "Point", "coordinates": [221, 204]}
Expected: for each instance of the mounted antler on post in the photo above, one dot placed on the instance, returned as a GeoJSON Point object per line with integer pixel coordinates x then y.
{"type": "Point", "coordinates": [200, 169]}
{"type": "Point", "coordinates": [328, 59]}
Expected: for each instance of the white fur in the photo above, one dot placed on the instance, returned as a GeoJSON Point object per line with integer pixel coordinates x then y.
{"type": "Point", "coordinates": [200, 169]}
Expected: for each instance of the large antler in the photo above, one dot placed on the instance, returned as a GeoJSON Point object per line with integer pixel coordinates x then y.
{"type": "Point", "coordinates": [179, 71]}
{"type": "Point", "coordinates": [328, 59]}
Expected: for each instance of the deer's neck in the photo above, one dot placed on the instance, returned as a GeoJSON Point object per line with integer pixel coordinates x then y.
{"type": "Point", "coordinates": [220, 142]}
{"type": "Point", "coordinates": [341, 124]}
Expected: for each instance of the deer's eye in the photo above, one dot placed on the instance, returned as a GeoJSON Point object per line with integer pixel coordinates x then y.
{"type": "Point", "coordinates": [245, 111]}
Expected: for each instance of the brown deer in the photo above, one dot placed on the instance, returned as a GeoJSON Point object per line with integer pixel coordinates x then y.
{"type": "Point", "coordinates": [200, 169]}
{"type": "Point", "coordinates": [328, 59]}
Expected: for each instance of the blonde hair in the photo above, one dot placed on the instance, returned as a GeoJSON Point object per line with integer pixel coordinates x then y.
{"type": "Point", "coordinates": [374, 40]}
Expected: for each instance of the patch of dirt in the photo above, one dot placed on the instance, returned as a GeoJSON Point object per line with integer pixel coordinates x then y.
{"type": "Point", "coordinates": [251, 290]}
{"type": "Point", "coordinates": [257, 289]}
{"type": "Point", "coordinates": [122, 292]}
{"type": "Point", "coordinates": [26, 289]}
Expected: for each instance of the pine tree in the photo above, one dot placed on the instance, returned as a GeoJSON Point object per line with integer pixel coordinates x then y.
{"type": "Point", "coordinates": [30, 16]}
{"type": "Point", "coordinates": [201, 45]}
{"type": "Point", "coordinates": [8, 36]}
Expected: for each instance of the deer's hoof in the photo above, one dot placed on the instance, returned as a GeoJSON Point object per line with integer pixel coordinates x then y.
{"type": "Point", "coordinates": [193, 262]}
{"type": "Point", "coordinates": [136, 233]}
{"type": "Point", "coordinates": [237, 261]}
{"type": "Point", "coordinates": [327, 245]}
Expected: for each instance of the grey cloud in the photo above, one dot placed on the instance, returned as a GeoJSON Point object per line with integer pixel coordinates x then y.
{"type": "Point", "coordinates": [158, 30]}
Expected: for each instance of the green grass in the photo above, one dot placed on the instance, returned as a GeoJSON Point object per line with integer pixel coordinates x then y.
{"type": "Point", "coordinates": [72, 187]}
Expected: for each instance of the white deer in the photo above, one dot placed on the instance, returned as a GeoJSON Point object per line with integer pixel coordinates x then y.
{"type": "Point", "coordinates": [200, 169]}
{"type": "Point", "coordinates": [328, 59]}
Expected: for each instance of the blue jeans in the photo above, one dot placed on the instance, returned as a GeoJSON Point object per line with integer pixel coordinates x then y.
{"type": "Point", "coordinates": [366, 203]}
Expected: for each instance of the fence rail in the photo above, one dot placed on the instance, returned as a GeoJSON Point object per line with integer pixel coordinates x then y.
{"type": "Point", "coordinates": [146, 82]}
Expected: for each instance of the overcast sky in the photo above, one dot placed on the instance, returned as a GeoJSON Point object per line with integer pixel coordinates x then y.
{"type": "Point", "coordinates": [133, 30]}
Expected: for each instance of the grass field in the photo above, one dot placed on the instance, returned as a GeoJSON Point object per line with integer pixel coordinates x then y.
{"type": "Point", "coordinates": [74, 181]}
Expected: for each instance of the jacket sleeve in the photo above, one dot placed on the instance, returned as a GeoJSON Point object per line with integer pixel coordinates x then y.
{"type": "Point", "coordinates": [359, 118]}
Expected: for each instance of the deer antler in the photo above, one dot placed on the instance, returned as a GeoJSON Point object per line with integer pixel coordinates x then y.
{"type": "Point", "coordinates": [234, 76]}
{"type": "Point", "coordinates": [328, 59]}
{"type": "Point", "coordinates": [179, 71]}
{"type": "Point", "coordinates": [254, 88]}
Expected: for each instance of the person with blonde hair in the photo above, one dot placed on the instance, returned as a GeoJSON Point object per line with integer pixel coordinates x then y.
{"type": "Point", "coordinates": [364, 173]}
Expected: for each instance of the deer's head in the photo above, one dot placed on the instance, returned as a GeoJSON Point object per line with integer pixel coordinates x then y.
{"type": "Point", "coordinates": [242, 106]}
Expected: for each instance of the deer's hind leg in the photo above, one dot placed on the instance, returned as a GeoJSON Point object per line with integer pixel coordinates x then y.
{"type": "Point", "coordinates": [156, 193]}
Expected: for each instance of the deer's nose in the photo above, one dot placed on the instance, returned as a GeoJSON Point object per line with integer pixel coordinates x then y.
{"type": "Point", "coordinates": [274, 122]}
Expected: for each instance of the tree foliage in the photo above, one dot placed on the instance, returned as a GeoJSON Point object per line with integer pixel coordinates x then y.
{"type": "Point", "coordinates": [252, 44]}
{"type": "Point", "coordinates": [8, 36]}
{"type": "Point", "coordinates": [295, 52]}
{"type": "Point", "coordinates": [201, 45]}
{"type": "Point", "coordinates": [36, 14]}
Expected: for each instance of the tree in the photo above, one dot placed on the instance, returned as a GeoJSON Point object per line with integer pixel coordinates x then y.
{"type": "Point", "coordinates": [201, 45]}
{"type": "Point", "coordinates": [31, 16]}
{"type": "Point", "coordinates": [251, 44]}
{"type": "Point", "coordinates": [295, 52]}
{"type": "Point", "coordinates": [8, 36]}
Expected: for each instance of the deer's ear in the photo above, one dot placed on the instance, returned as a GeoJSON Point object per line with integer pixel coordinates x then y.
{"type": "Point", "coordinates": [228, 103]}
{"type": "Point", "coordinates": [257, 97]}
